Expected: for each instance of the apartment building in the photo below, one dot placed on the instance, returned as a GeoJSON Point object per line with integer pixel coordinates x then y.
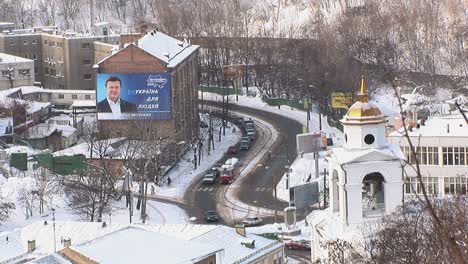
{"type": "Point", "coordinates": [15, 71]}
{"type": "Point", "coordinates": [62, 60]}
{"type": "Point", "coordinates": [441, 144]}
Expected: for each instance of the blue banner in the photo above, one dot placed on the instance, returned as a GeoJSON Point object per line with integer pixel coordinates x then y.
{"type": "Point", "coordinates": [127, 96]}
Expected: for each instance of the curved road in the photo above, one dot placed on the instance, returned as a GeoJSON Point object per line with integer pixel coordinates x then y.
{"type": "Point", "coordinates": [257, 188]}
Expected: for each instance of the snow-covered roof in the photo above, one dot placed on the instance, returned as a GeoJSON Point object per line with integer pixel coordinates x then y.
{"type": "Point", "coordinates": [438, 126]}
{"type": "Point", "coordinates": [39, 131]}
{"type": "Point", "coordinates": [168, 243]}
{"type": "Point", "coordinates": [7, 58]}
{"type": "Point", "coordinates": [166, 48]}
{"type": "Point", "coordinates": [346, 156]}
{"type": "Point", "coordinates": [158, 247]}
{"type": "Point", "coordinates": [234, 251]}
{"type": "Point", "coordinates": [84, 149]}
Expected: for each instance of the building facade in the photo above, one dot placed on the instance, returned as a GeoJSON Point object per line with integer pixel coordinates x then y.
{"type": "Point", "coordinates": [62, 60]}
{"type": "Point", "coordinates": [15, 71]}
{"type": "Point", "coordinates": [157, 53]}
{"type": "Point", "coordinates": [441, 147]}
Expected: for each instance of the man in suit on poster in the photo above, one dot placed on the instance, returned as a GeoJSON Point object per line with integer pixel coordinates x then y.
{"type": "Point", "coordinates": [113, 103]}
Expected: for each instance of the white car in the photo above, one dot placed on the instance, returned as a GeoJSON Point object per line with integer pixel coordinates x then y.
{"type": "Point", "coordinates": [252, 221]}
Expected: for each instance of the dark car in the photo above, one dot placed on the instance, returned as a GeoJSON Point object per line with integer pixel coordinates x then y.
{"type": "Point", "coordinates": [298, 244]}
{"type": "Point", "coordinates": [211, 216]}
{"type": "Point", "coordinates": [232, 150]}
{"type": "Point", "coordinates": [239, 121]}
{"type": "Point", "coordinates": [215, 170]}
{"type": "Point", "coordinates": [203, 124]}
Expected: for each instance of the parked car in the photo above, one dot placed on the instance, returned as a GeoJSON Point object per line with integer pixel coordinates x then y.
{"type": "Point", "coordinates": [252, 221]}
{"type": "Point", "coordinates": [203, 124]}
{"type": "Point", "coordinates": [209, 178]}
{"type": "Point", "coordinates": [251, 134]}
{"type": "Point", "coordinates": [245, 143]}
{"type": "Point", "coordinates": [211, 216]}
{"type": "Point", "coordinates": [298, 244]}
{"type": "Point", "coordinates": [239, 121]}
{"type": "Point", "coordinates": [232, 150]}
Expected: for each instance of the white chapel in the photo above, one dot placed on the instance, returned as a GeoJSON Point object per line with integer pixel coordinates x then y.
{"type": "Point", "coordinates": [365, 178]}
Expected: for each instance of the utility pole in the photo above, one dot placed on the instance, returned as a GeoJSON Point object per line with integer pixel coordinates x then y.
{"type": "Point", "coordinates": [53, 221]}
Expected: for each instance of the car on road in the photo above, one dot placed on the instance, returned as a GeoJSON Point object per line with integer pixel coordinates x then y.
{"type": "Point", "coordinates": [301, 244]}
{"type": "Point", "coordinates": [216, 170]}
{"type": "Point", "coordinates": [245, 143]}
{"type": "Point", "coordinates": [252, 221]}
{"type": "Point", "coordinates": [232, 150]}
{"type": "Point", "coordinates": [239, 121]}
{"type": "Point", "coordinates": [211, 216]}
{"type": "Point", "coordinates": [209, 178]}
{"type": "Point", "coordinates": [251, 134]}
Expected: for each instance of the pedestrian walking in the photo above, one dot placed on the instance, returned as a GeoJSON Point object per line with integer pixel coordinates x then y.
{"type": "Point", "coordinates": [169, 181]}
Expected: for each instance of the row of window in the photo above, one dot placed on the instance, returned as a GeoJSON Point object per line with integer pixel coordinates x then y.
{"type": "Point", "coordinates": [6, 73]}
{"type": "Point", "coordinates": [452, 185]}
{"type": "Point", "coordinates": [457, 156]}
{"type": "Point", "coordinates": [25, 42]}
{"type": "Point", "coordinates": [52, 43]}
{"type": "Point", "coordinates": [74, 96]}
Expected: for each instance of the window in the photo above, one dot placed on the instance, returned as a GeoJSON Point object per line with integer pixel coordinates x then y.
{"type": "Point", "coordinates": [24, 71]}
{"type": "Point", "coordinates": [46, 71]}
{"type": "Point", "coordinates": [74, 96]}
{"type": "Point", "coordinates": [25, 42]}
{"type": "Point", "coordinates": [36, 71]}
{"type": "Point", "coordinates": [87, 76]}
{"type": "Point", "coordinates": [369, 139]}
{"type": "Point", "coordinates": [457, 156]}
{"type": "Point", "coordinates": [86, 61]}
{"type": "Point", "coordinates": [85, 46]}
{"type": "Point", "coordinates": [425, 155]}
{"type": "Point", "coordinates": [33, 42]}
{"type": "Point", "coordinates": [455, 185]}
{"type": "Point", "coordinates": [12, 43]}
{"type": "Point", "coordinates": [88, 97]}
{"type": "Point", "coordinates": [412, 185]}
{"type": "Point", "coordinates": [45, 41]}
{"type": "Point", "coordinates": [61, 87]}
{"type": "Point", "coordinates": [61, 96]}
{"type": "Point", "coordinates": [5, 73]}
{"type": "Point", "coordinates": [34, 56]}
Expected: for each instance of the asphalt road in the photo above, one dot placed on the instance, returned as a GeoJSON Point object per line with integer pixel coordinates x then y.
{"type": "Point", "coordinates": [257, 188]}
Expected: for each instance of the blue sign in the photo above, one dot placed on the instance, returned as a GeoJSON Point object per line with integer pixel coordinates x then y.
{"type": "Point", "coordinates": [127, 96]}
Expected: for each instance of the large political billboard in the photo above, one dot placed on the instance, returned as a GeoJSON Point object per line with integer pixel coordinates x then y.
{"type": "Point", "coordinates": [128, 96]}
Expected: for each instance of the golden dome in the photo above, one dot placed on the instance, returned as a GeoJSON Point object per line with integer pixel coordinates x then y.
{"type": "Point", "coordinates": [363, 109]}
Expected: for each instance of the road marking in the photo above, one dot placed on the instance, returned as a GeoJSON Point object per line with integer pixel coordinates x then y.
{"type": "Point", "coordinates": [262, 189]}
{"type": "Point", "coordinates": [204, 189]}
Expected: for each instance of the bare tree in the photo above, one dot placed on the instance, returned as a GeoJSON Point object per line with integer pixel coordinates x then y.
{"type": "Point", "coordinates": [91, 194]}
{"type": "Point", "coordinates": [45, 187]}
{"type": "Point", "coordinates": [69, 10]}
{"type": "Point", "coordinates": [46, 11]}
{"type": "Point", "coordinates": [5, 209]}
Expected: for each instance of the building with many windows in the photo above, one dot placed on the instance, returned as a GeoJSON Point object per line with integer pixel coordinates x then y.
{"type": "Point", "coordinates": [15, 71]}
{"type": "Point", "coordinates": [441, 146]}
{"type": "Point", "coordinates": [62, 60]}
